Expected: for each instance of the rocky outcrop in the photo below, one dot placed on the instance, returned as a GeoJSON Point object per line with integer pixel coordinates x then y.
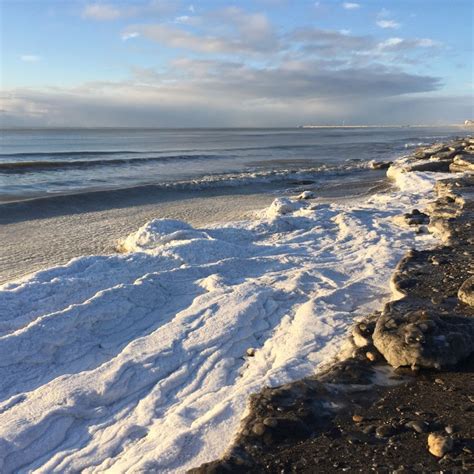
{"type": "Point", "coordinates": [456, 156]}
{"type": "Point", "coordinates": [430, 327]}
{"type": "Point", "coordinates": [462, 163]}
{"type": "Point", "coordinates": [407, 335]}
{"type": "Point", "coordinates": [431, 165]}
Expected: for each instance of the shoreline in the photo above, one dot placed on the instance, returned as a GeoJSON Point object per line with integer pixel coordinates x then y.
{"type": "Point", "coordinates": [59, 236]}
{"type": "Point", "coordinates": [71, 226]}
{"type": "Point", "coordinates": [184, 325]}
{"type": "Point", "coordinates": [368, 412]}
{"type": "Point", "coordinates": [288, 284]}
{"type": "Point", "coordinates": [290, 127]}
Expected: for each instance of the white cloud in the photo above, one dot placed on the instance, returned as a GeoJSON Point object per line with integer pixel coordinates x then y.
{"type": "Point", "coordinates": [229, 30]}
{"type": "Point", "coordinates": [187, 20]}
{"type": "Point", "coordinates": [350, 5]}
{"type": "Point", "coordinates": [195, 92]}
{"type": "Point", "coordinates": [305, 70]}
{"type": "Point", "coordinates": [101, 11]}
{"type": "Point", "coordinates": [388, 24]}
{"type": "Point", "coordinates": [30, 58]}
{"type": "Point", "coordinates": [428, 43]}
{"type": "Point", "coordinates": [191, 8]}
{"type": "Point", "coordinates": [108, 11]}
{"type": "Point", "coordinates": [400, 44]}
{"type": "Point", "coordinates": [131, 35]}
{"type": "Point", "coordinates": [391, 43]}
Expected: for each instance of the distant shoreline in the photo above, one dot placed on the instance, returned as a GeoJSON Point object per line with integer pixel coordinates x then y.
{"type": "Point", "coordinates": [289, 127]}
{"type": "Point", "coordinates": [383, 126]}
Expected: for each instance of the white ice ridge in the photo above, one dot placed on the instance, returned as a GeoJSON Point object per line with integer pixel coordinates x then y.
{"type": "Point", "coordinates": [137, 362]}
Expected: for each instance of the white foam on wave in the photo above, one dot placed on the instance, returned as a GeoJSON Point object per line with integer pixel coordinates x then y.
{"type": "Point", "coordinates": [137, 362]}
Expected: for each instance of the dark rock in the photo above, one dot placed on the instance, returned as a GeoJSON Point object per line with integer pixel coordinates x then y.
{"type": "Point", "coordinates": [444, 155]}
{"type": "Point", "coordinates": [270, 422]}
{"type": "Point", "coordinates": [258, 429]}
{"type": "Point", "coordinates": [439, 166]}
{"type": "Point", "coordinates": [369, 429]}
{"type": "Point", "coordinates": [380, 165]}
{"type": "Point", "coordinates": [384, 431]}
{"type": "Point", "coordinates": [418, 426]}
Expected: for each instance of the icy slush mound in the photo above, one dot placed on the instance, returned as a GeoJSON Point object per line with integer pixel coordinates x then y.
{"type": "Point", "coordinates": [159, 232]}
{"type": "Point", "coordinates": [280, 207]}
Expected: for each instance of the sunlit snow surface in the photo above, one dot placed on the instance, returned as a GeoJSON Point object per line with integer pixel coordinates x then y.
{"type": "Point", "coordinates": [138, 361]}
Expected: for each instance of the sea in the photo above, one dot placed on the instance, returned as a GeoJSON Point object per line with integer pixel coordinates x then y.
{"type": "Point", "coordinates": [48, 162]}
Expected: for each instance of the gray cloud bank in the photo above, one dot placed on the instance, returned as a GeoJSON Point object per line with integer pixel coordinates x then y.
{"type": "Point", "coordinates": [244, 73]}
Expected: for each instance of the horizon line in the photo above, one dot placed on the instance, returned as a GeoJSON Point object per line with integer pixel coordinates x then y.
{"type": "Point", "coordinates": [306, 126]}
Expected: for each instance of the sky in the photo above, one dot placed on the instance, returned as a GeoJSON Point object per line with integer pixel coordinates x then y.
{"type": "Point", "coordinates": [212, 63]}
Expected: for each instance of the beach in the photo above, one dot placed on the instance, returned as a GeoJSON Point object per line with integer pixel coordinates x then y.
{"type": "Point", "coordinates": [399, 397]}
{"type": "Point", "coordinates": [141, 353]}
{"type": "Point", "coordinates": [236, 237]}
{"type": "Point", "coordinates": [67, 193]}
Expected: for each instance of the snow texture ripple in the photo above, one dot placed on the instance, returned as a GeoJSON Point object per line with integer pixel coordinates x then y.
{"type": "Point", "coordinates": [137, 362]}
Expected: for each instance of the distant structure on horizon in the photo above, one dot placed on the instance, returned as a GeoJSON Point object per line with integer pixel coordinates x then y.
{"type": "Point", "coordinates": [466, 123]}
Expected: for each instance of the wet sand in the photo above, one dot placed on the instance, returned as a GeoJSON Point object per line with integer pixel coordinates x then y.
{"type": "Point", "coordinates": [53, 238]}
{"type": "Point", "coordinates": [46, 232]}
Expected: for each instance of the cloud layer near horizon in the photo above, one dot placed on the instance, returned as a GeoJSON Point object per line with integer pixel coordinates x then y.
{"type": "Point", "coordinates": [235, 68]}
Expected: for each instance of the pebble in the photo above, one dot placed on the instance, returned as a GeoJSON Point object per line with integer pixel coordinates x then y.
{"type": "Point", "coordinates": [418, 426]}
{"type": "Point", "coordinates": [370, 355]}
{"type": "Point", "coordinates": [449, 429]}
{"type": "Point", "coordinates": [384, 431]}
{"type": "Point", "coordinates": [352, 439]}
{"type": "Point", "coordinates": [439, 445]}
{"type": "Point", "coordinates": [369, 429]}
{"type": "Point", "coordinates": [258, 429]}
{"type": "Point", "coordinates": [357, 418]}
{"type": "Point", "coordinates": [250, 351]}
{"type": "Point", "coordinates": [270, 422]}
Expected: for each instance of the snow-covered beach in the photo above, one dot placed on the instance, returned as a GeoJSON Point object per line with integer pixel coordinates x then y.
{"type": "Point", "coordinates": [144, 360]}
{"type": "Point", "coordinates": [236, 237]}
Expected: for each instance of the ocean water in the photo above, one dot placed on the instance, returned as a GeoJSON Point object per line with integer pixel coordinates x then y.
{"type": "Point", "coordinates": [39, 163]}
